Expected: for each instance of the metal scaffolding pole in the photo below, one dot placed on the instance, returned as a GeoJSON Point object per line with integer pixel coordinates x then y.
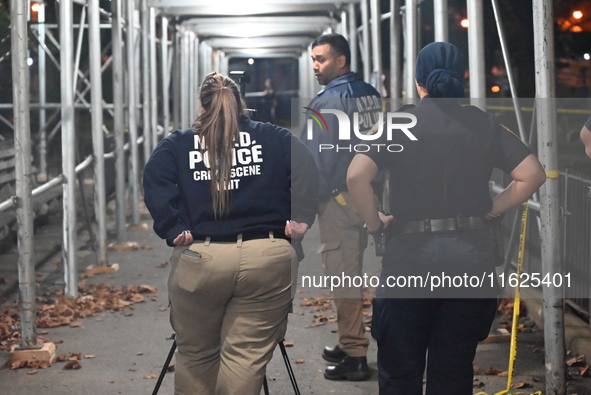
{"type": "Point", "coordinates": [191, 79]}
{"type": "Point", "coordinates": [184, 80]}
{"type": "Point", "coordinates": [441, 23]}
{"type": "Point", "coordinates": [165, 75]}
{"type": "Point", "coordinates": [146, 80]}
{"type": "Point", "coordinates": [366, 46]}
{"type": "Point", "coordinates": [353, 37]}
{"type": "Point", "coordinates": [395, 50]}
{"type": "Point", "coordinates": [344, 25]}
{"type": "Point", "coordinates": [153, 79]}
{"type": "Point", "coordinates": [69, 251]}
{"type": "Point", "coordinates": [131, 110]}
{"type": "Point", "coordinates": [96, 99]}
{"type": "Point", "coordinates": [303, 75]}
{"type": "Point", "coordinates": [197, 72]}
{"type": "Point", "coordinates": [476, 53]}
{"type": "Point", "coordinates": [22, 148]}
{"type": "Point", "coordinates": [410, 49]}
{"type": "Point", "coordinates": [509, 68]}
{"type": "Point", "coordinates": [376, 43]}
{"type": "Point", "coordinates": [549, 196]}
{"type": "Point", "coordinates": [177, 72]}
{"type": "Point", "coordinates": [42, 91]}
{"type": "Point", "coordinates": [119, 117]}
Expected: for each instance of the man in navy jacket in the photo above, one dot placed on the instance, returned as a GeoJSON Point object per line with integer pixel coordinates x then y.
{"type": "Point", "coordinates": [342, 232]}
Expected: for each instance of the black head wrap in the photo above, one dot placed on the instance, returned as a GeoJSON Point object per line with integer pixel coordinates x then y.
{"type": "Point", "coordinates": [440, 69]}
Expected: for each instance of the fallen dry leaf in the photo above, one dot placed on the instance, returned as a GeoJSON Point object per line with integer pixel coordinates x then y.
{"type": "Point", "coordinates": [146, 289]}
{"type": "Point", "coordinates": [18, 365]}
{"type": "Point", "coordinates": [576, 360]}
{"type": "Point", "coordinates": [163, 264]}
{"type": "Point", "coordinates": [299, 361]}
{"type": "Point", "coordinates": [89, 356]}
{"type": "Point", "coordinates": [33, 372]}
{"type": "Point", "coordinates": [271, 378]}
{"type": "Point", "coordinates": [493, 372]}
{"type": "Point", "coordinates": [287, 344]}
{"type": "Point", "coordinates": [136, 227]}
{"type": "Point", "coordinates": [129, 246]}
{"type": "Point", "coordinates": [503, 374]}
{"type": "Point", "coordinates": [585, 371]}
{"type": "Point", "coordinates": [151, 376]}
{"type": "Point", "coordinates": [521, 385]}
{"type": "Point", "coordinates": [170, 367]}
{"type": "Point", "coordinates": [76, 324]}
{"type": "Point", "coordinates": [74, 364]}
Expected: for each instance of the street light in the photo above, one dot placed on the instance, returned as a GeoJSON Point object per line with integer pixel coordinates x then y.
{"type": "Point", "coordinates": [577, 14]}
{"type": "Point", "coordinates": [465, 23]}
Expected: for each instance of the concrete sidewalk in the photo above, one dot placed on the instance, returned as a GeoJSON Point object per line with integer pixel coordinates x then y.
{"type": "Point", "coordinates": [128, 346]}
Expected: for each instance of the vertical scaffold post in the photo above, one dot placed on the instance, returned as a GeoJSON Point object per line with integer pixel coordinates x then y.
{"type": "Point", "coordinates": [410, 49]}
{"type": "Point", "coordinates": [376, 43]}
{"type": "Point", "coordinates": [69, 252]}
{"type": "Point", "coordinates": [42, 91]}
{"type": "Point", "coordinates": [441, 23]}
{"type": "Point", "coordinates": [22, 148]}
{"type": "Point", "coordinates": [549, 198]}
{"type": "Point", "coordinates": [165, 72]}
{"type": "Point", "coordinates": [353, 37]}
{"type": "Point", "coordinates": [96, 101]}
{"type": "Point", "coordinates": [146, 81]}
{"type": "Point", "coordinates": [119, 117]}
{"type": "Point", "coordinates": [132, 113]}
{"type": "Point", "coordinates": [395, 49]}
{"type": "Point", "coordinates": [153, 78]}
{"type": "Point", "coordinates": [476, 53]}
{"type": "Point", "coordinates": [366, 55]}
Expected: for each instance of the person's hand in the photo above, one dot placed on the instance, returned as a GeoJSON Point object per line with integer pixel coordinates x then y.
{"type": "Point", "coordinates": [295, 230]}
{"type": "Point", "coordinates": [386, 219]}
{"type": "Point", "coordinates": [183, 239]}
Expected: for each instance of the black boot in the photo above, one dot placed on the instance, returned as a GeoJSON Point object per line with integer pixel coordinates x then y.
{"type": "Point", "coordinates": [350, 368]}
{"type": "Point", "coordinates": [333, 354]}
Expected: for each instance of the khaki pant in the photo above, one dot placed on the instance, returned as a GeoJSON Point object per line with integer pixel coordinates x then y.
{"type": "Point", "coordinates": [229, 310]}
{"type": "Point", "coordinates": [344, 239]}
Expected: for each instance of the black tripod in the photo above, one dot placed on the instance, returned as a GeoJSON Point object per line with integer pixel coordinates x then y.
{"type": "Point", "coordinates": [265, 385]}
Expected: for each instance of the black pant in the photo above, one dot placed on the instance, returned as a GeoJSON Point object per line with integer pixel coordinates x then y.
{"type": "Point", "coordinates": [441, 333]}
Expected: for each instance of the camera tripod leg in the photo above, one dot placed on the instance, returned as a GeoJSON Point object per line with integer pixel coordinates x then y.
{"type": "Point", "coordinates": [265, 386]}
{"type": "Point", "coordinates": [165, 367]}
{"type": "Point", "coordinates": [289, 369]}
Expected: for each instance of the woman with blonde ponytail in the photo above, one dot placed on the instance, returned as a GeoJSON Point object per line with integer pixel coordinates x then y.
{"type": "Point", "coordinates": [221, 194]}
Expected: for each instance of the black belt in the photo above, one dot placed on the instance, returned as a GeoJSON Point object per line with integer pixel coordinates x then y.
{"type": "Point", "coordinates": [442, 224]}
{"type": "Point", "coordinates": [246, 236]}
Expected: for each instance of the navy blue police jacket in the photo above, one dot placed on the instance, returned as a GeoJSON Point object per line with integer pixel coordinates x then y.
{"type": "Point", "coordinates": [333, 154]}
{"type": "Point", "coordinates": [266, 190]}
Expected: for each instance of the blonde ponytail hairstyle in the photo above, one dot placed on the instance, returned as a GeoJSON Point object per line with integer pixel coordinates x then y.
{"type": "Point", "coordinates": [218, 128]}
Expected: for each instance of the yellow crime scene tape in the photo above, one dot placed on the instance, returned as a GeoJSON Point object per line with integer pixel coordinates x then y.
{"type": "Point", "coordinates": [516, 312]}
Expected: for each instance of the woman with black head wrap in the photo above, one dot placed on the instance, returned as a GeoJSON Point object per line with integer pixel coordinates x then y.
{"type": "Point", "coordinates": [429, 311]}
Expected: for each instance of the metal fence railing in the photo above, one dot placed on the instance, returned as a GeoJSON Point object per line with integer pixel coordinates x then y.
{"type": "Point", "coordinates": [575, 228]}
{"type": "Point", "coordinates": [576, 235]}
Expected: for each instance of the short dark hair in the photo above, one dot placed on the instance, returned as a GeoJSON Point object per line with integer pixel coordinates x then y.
{"type": "Point", "coordinates": [338, 45]}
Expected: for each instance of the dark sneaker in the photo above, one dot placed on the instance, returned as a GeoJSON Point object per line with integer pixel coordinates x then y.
{"type": "Point", "coordinates": [333, 354]}
{"type": "Point", "coordinates": [349, 368]}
